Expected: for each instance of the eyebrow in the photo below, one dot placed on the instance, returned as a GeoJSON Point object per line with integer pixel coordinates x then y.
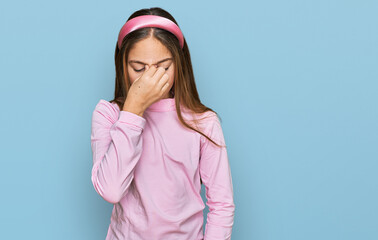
{"type": "Point", "coordinates": [135, 61]}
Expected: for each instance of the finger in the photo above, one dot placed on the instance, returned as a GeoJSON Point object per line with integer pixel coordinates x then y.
{"type": "Point", "coordinates": [159, 74]}
{"type": "Point", "coordinates": [145, 72]}
{"type": "Point", "coordinates": [163, 80]}
{"type": "Point", "coordinates": [165, 88]}
{"type": "Point", "coordinates": [150, 71]}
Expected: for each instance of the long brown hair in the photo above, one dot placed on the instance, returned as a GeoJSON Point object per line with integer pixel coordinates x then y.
{"type": "Point", "coordinates": [184, 88]}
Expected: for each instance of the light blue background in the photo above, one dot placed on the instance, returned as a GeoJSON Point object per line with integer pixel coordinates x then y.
{"type": "Point", "coordinates": [294, 82]}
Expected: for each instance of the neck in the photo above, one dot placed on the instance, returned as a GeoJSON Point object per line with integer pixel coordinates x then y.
{"type": "Point", "coordinates": [163, 105]}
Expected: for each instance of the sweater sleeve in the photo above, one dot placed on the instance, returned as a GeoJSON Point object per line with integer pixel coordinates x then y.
{"type": "Point", "coordinates": [216, 176]}
{"type": "Point", "coordinates": [116, 144]}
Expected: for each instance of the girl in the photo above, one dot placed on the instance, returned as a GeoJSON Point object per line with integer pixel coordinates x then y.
{"type": "Point", "coordinates": [155, 143]}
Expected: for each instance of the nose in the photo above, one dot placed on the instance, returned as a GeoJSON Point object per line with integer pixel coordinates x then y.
{"type": "Point", "coordinates": [150, 65]}
{"type": "Point", "coordinates": [155, 65]}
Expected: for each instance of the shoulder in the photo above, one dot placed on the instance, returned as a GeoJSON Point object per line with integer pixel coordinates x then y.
{"type": "Point", "coordinates": [210, 125]}
{"type": "Point", "coordinates": [106, 111]}
{"type": "Point", "coordinates": [208, 122]}
{"type": "Point", "coordinates": [207, 119]}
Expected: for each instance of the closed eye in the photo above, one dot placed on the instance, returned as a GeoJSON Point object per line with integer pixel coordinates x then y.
{"type": "Point", "coordinates": [166, 69]}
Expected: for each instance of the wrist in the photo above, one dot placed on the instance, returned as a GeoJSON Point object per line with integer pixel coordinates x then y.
{"type": "Point", "coordinates": [134, 107]}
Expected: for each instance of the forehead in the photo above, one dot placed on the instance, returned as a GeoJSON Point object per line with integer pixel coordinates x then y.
{"type": "Point", "coordinates": [149, 50]}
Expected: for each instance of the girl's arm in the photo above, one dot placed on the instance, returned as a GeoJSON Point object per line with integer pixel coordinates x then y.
{"type": "Point", "coordinates": [216, 175]}
{"type": "Point", "coordinates": [116, 146]}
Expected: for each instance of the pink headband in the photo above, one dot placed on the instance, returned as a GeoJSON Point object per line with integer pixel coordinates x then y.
{"type": "Point", "coordinates": [150, 21]}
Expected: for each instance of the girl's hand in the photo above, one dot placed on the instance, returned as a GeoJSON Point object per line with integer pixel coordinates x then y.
{"type": "Point", "coordinates": [147, 89]}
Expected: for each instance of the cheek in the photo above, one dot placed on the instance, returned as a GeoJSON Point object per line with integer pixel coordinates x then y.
{"type": "Point", "coordinates": [171, 73]}
{"type": "Point", "coordinates": [132, 75]}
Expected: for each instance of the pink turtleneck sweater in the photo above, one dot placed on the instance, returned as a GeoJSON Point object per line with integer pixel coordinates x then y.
{"type": "Point", "coordinates": [150, 168]}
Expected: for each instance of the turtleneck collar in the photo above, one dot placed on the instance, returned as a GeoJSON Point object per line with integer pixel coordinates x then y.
{"type": "Point", "coordinates": [162, 105]}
